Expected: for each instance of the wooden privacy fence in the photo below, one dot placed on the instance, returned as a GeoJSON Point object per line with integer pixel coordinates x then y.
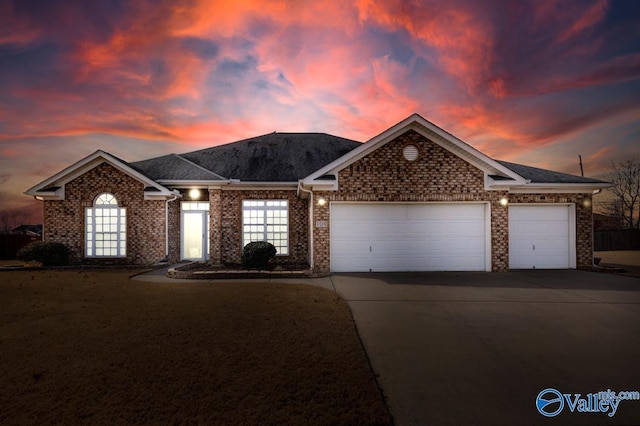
{"type": "Point", "coordinates": [625, 239]}
{"type": "Point", "coordinates": [11, 243]}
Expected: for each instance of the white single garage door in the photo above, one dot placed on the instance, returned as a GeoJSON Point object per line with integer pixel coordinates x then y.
{"type": "Point", "coordinates": [378, 237]}
{"type": "Point", "coordinates": [540, 237]}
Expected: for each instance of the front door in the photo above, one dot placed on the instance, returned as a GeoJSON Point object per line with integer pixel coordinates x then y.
{"type": "Point", "coordinates": [194, 235]}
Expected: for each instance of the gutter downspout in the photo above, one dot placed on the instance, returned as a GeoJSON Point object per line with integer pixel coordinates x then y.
{"type": "Point", "coordinates": [176, 195]}
{"type": "Point", "coordinates": [310, 192]}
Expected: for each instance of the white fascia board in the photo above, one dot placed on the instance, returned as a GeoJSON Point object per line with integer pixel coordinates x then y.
{"type": "Point", "coordinates": [184, 184]}
{"type": "Point", "coordinates": [557, 188]}
{"type": "Point", "coordinates": [323, 185]}
{"type": "Point", "coordinates": [58, 194]}
{"type": "Point", "coordinates": [262, 186]}
{"type": "Point", "coordinates": [87, 163]}
{"type": "Point", "coordinates": [354, 155]}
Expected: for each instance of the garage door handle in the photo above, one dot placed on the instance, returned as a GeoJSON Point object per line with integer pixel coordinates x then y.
{"type": "Point", "coordinates": [534, 247]}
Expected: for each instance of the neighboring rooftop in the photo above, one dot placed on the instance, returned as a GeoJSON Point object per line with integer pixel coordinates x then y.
{"type": "Point", "coordinates": [536, 175]}
{"type": "Point", "coordinates": [275, 157]}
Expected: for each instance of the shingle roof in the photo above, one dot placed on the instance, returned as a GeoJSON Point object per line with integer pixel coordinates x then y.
{"type": "Point", "coordinates": [275, 157]}
{"type": "Point", "coordinates": [173, 167]}
{"type": "Point", "coordinates": [287, 157]}
{"type": "Point", "coordinates": [536, 175]}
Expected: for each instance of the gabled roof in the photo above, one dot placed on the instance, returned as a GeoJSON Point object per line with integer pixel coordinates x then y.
{"type": "Point", "coordinates": [434, 133]}
{"type": "Point", "coordinates": [53, 187]}
{"type": "Point", "coordinates": [498, 174]}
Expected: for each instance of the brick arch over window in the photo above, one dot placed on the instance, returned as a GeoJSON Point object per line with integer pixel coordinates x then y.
{"type": "Point", "coordinates": [105, 228]}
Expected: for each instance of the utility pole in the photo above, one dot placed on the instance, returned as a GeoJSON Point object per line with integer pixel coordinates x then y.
{"type": "Point", "coordinates": [581, 169]}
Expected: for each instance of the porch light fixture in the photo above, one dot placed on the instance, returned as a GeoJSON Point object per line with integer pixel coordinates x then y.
{"type": "Point", "coordinates": [504, 201]}
{"type": "Point", "coordinates": [322, 201]}
{"type": "Point", "coordinates": [194, 194]}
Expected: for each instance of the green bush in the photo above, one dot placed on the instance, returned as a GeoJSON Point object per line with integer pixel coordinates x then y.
{"type": "Point", "coordinates": [256, 255]}
{"type": "Point", "coordinates": [46, 252]}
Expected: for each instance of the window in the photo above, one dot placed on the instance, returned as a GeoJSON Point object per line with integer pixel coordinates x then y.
{"type": "Point", "coordinates": [105, 228]}
{"type": "Point", "coordinates": [266, 220]}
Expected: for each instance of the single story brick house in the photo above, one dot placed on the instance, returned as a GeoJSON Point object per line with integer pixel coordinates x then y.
{"type": "Point", "coordinates": [413, 198]}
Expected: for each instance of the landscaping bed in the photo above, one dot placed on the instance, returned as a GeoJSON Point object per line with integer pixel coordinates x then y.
{"type": "Point", "coordinates": [95, 347]}
{"type": "Point", "coordinates": [206, 270]}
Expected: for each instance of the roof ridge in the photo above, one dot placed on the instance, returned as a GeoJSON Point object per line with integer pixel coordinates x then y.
{"type": "Point", "coordinates": [229, 144]}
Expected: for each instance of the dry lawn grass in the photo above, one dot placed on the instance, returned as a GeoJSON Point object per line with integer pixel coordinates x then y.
{"type": "Point", "coordinates": [81, 347]}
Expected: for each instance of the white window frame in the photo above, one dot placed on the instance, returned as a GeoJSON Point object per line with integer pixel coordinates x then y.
{"type": "Point", "coordinates": [263, 220]}
{"type": "Point", "coordinates": [105, 228]}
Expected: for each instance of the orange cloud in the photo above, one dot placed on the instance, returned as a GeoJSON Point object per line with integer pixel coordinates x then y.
{"type": "Point", "coordinates": [602, 152]}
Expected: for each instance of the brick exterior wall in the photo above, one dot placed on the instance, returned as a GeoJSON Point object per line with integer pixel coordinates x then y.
{"type": "Point", "coordinates": [174, 230]}
{"type": "Point", "coordinates": [584, 221]}
{"type": "Point", "coordinates": [436, 175]}
{"type": "Point", "coordinates": [383, 176]}
{"type": "Point", "coordinates": [64, 220]}
{"type": "Point", "coordinates": [226, 208]}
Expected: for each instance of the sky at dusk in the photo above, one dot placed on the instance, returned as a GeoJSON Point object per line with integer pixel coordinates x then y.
{"type": "Point", "coordinates": [535, 82]}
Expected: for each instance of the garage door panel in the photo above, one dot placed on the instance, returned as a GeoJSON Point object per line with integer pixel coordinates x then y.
{"type": "Point", "coordinates": [539, 237]}
{"type": "Point", "coordinates": [408, 237]}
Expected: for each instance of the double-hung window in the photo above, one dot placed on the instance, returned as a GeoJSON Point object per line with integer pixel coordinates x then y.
{"type": "Point", "coordinates": [105, 228]}
{"type": "Point", "coordinates": [266, 220]}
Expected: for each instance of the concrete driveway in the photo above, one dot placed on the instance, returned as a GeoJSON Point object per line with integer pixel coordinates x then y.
{"type": "Point", "coordinates": [478, 348]}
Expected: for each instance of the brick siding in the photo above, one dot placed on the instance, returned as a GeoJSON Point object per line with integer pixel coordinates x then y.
{"type": "Point", "coordinates": [382, 176]}
{"type": "Point", "coordinates": [436, 175]}
{"type": "Point", "coordinates": [226, 208]}
{"type": "Point", "coordinates": [64, 220]}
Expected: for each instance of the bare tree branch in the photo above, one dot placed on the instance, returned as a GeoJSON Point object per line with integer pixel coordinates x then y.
{"type": "Point", "coordinates": [625, 177]}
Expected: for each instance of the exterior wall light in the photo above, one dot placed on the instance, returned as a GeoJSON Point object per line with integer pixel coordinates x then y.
{"type": "Point", "coordinates": [322, 201]}
{"type": "Point", "coordinates": [194, 194]}
{"type": "Point", "coordinates": [504, 201]}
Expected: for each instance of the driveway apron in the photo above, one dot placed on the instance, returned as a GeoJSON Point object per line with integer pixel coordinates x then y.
{"type": "Point", "coordinates": [478, 348]}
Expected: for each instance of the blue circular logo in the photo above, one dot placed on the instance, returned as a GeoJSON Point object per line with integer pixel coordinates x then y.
{"type": "Point", "coordinates": [546, 400]}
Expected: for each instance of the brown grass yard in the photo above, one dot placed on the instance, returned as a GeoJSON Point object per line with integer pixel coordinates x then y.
{"type": "Point", "coordinates": [80, 347]}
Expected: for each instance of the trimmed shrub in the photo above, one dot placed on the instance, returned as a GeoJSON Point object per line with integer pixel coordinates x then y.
{"type": "Point", "coordinates": [256, 255]}
{"type": "Point", "coordinates": [46, 252]}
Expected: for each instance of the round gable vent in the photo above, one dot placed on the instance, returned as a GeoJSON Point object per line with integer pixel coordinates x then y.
{"type": "Point", "coordinates": [410, 152]}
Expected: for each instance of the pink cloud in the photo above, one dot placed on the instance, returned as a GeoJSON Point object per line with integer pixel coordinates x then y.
{"type": "Point", "coordinates": [478, 72]}
{"type": "Point", "coordinates": [16, 29]}
{"type": "Point", "coordinates": [585, 20]}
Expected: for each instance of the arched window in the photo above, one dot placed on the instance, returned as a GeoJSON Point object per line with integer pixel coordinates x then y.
{"type": "Point", "coordinates": [105, 228]}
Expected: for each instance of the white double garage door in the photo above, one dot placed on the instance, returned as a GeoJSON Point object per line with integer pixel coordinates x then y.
{"type": "Point", "coordinates": [377, 237]}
